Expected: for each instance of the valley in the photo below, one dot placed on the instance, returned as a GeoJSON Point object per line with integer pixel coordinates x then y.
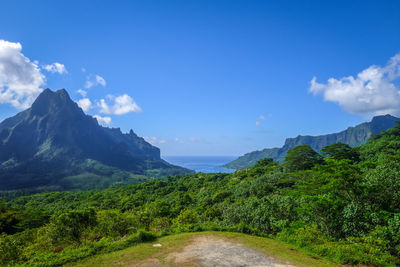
{"type": "Point", "coordinates": [340, 206]}
{"type": "Point", "coordinates": [200, 133]}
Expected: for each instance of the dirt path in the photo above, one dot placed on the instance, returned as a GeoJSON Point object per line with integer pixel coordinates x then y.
{"type": "Point", "coordinates": [214, 251]}
{"type": "Point", "coordinates": [206, 249]}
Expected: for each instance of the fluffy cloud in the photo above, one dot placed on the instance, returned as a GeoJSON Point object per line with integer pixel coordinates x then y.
{"type": "Point", "coordinates": [83, 93]}
{"type": "Point", "coordinates": [85, 104]}
{"type": "Point", "coordinates": [20, 79]}
{"type": "Point", "coordinates": [55, 68]}
{"type": "Point", "coordinates": [103, 120]}
{"type": "Point", "coordinates": [121, 105]}
{"type": "Point", "coordinates": [374, 91]}
{"type": "Point", "coordinates": [154, 140]}
{"type": "Point", "coordinates": [98, 80]}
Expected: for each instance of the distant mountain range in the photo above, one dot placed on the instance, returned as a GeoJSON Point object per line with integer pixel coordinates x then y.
{"type": "Point", "coordinates": [55, 145]}
{"type": "Point", "coordinates": [353, 136]}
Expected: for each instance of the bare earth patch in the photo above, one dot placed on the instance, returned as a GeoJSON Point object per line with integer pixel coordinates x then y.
{"type": "Point", "coordinates": [207, 249]}
{"type": "Point", "coordinates": [213, 251]}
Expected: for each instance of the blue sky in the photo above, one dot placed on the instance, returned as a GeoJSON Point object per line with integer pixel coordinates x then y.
{"type": "Point", "coordinates": [208, 77]}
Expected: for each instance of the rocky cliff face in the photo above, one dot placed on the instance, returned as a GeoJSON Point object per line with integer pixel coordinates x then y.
{"type": "Point", "coordinates": [55, 136]}
{"type": "Point", "coordinates": [353, 136]}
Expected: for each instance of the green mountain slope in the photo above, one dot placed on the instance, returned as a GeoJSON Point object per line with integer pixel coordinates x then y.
{"type": "Point", "coordinates": [55, 144]}
{"type": "Point", "coordinates": [341, 208]}
{"type": "Point", "coordinates": [353, 136]}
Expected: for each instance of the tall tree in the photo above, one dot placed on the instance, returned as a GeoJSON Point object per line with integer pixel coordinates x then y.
{"type": "Point", "coordinates": [301, 158]}
{"type": "Point", "coordinates": [341, 151]}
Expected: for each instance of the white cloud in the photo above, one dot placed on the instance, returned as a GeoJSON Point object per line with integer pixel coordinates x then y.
{"type": "Point", "coordinates": [374, 91]}
{"type": "Point", "coordinates": [98, 80]}
{"type": "Point", "coordinates": [55, 68]}
{"type": "Point", "coordinates": [20, 78]}
{"type": "Point", "coordinates": [83, 93]}
{"type": "Point", "coordinates": [83, 69]}
{"type": "Point", "coordinates": [122, 104]}
{"type": "Point", "coordinates": [89, 84]}
{"type": "Point", "coordinates": [155, 140]}
{"type": "Point", "coordinates": [261, 118]}
{"type": "Point", "coordinates": [85, 104]}
{"type": "Point", "coordinates": [103, 120]}
{"type": "Point", "coordinates": [178, 140]}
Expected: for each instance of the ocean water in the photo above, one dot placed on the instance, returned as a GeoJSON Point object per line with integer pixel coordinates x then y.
{"type": "Point", "coordinates": [205, 164]}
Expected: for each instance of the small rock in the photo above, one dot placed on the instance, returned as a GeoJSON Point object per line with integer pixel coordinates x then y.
{"type": "Point", "coordinates": [157, 245]}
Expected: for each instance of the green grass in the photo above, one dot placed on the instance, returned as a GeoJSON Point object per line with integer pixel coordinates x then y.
{"type": "Point", "coordinates": [145, 252]}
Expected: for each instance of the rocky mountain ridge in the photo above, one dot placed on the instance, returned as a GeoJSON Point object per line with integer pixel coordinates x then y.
{"type": "Point", "coordinates": [353, 136]}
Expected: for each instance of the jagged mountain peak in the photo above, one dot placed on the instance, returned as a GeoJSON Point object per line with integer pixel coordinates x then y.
{"type": "Point", "coordinates": [55, 132]}
{"type": "Point", "coordinates": [53, 102]}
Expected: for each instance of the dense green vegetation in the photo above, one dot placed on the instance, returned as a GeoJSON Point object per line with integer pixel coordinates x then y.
{"type": "Point", "coordinates": [352, 136]}
{"type": "Point", "coordinates": [342, 205]}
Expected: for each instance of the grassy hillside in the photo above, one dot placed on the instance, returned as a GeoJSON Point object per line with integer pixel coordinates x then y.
{"type": "Point", "coordinates": [342, 206]}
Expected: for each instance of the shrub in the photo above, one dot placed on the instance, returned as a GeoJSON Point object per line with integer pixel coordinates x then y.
{"type": "Point", "coordinates": [187, 217]}
{"type": "Point", "coordinates": [70, 225]}
{"type": "Point", "coordinates": [10, 249]}
{"type": "Point", "coordinates": [113, 223]}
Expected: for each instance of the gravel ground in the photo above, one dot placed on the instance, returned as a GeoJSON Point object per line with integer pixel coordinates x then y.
{"type": "Point", "coordinates": [211, 251]}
